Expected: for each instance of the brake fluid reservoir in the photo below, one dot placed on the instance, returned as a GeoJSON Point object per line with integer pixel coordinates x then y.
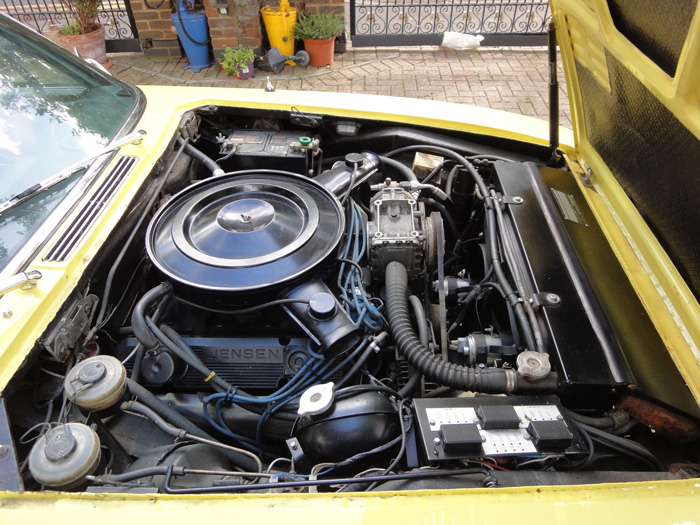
{"type": "Point", "coordinates": [96, 383]}
{"type": "Point", "coordinates": [63, 456]}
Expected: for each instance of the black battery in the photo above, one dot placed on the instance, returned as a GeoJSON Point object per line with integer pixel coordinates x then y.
{"type": "Point", "coordinates": [252, 149]}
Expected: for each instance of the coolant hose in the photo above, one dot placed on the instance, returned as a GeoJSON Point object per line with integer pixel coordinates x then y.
{"type": "Point", "coordinates": [401, 168]}
{"type": "Point", "coordinates": [138, 316]}
{"type": "Point", "coordinates": [201, 157]}
{"type": "Point", "coordinates": [489, 381]}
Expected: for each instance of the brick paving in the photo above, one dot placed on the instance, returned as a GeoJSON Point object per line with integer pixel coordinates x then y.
{"type": "Point", "coordinates": [510, 79]}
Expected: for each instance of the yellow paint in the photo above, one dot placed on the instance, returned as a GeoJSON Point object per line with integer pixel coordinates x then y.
{"type": "Point", "coordinates": [663, 502]}
{"type": "Point", "coordinates": [669, 302]}
{"type": "Point", "coordinates": [652, 502]}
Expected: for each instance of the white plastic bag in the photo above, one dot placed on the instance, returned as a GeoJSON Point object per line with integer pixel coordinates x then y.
{"type": "Point", "coordinates": [461, 41]}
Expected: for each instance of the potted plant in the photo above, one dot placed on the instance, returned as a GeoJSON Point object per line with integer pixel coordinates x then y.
{"type": "Point", "coordinates": [318, 31]}
{"type": "Point", "coordinates": [238, 62]}
{"type": "Point", "coordinates": [84, 33]}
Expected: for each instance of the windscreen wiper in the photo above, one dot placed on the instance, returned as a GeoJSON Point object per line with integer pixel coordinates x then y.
{"type": "Point", "coordinates": [54, 179]}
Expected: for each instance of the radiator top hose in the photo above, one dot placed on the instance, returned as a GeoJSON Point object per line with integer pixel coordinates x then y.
{"type": "Point", "coordinates": [487, 381]}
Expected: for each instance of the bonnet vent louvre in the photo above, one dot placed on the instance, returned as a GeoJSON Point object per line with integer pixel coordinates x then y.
{"type": "Point", "coordinates": [62, 249]}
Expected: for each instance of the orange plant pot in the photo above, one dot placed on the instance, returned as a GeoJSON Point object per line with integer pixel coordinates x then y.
{"type": "Point", "coordinates": [89, 45]}
{"type": "Point", "coordinates": [320, 51]}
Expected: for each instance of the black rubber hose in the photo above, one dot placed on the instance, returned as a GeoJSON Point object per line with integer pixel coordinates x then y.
{"type": "Point", "coordinates": [138, 316]}
{"type": "Point", "coordinates": [401, 168]}
{"type": "Point", "coordinates": [412, 384]}
{"type": "Point", "coordinates": [603, 423]}
{"type": "Point", "coordinates": [164, 410]}
{"type": "Point", "coordinates": [446, 216]}
{"type": "Point", "coordinates": [492, 381]}
{"type": "Point", "coordinates": [449, 154]}
{"type": "Point", "coordinates": [489, 381]}
{"type": "Point", "coordinates": [140, 350]}
{"type": "Point", "coordinates": [201, 157]}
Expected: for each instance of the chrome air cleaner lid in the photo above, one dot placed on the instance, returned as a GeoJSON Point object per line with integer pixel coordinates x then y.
{"type": "Point", "coordinates": [245, 231]}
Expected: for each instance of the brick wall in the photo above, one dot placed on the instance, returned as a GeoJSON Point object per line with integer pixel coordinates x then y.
{"type": "Point", "coordinates": [240, 26]}
{"type": "Point", "coordinates": [156, 31]}
{"type": "Point", "coordinates": [318, 6]}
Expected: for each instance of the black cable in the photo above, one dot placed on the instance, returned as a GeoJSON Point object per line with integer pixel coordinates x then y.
{"type": "Point", "coordinates": [511, 296]}
{"type": "Point", "coordinates": [402, 450]}
{"type": "Point", "coordinates": [134, 231]}
{"type": "Point", "coordinates": [355, 368]}
{"type": "Point", "coordinates": [446, 215]}
{"type": "Point", "coordinates": [591, 449]}
{"type": "Point", "coordinates": [435, 171]}
{"type": "Point", "coordinates": [623, 445]}
{"type": "Point", "coordinates": [603, 423]}
{"type": "Point", "coordinates": [189, 357]}
{"type": "Point", "coordinates": [358, 389]}
{"type": "Point", "coordinates": [418, 474]}
{"type": "Point", "coordinates": [164, 410]}
{"type": "Point", "coordinates": [140, 349]}
{"type": "Point", "coordinates": [448, 153]}
{"type": "Point", "coordinates": [241, 311]}
{"type": "Point", "coordinates": [450, 180]}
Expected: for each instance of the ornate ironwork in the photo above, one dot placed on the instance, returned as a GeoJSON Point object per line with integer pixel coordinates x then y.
{"type": "Point", "coordinates": [41, 15]}
{"type": "Point", "coordinates": [379, 19]}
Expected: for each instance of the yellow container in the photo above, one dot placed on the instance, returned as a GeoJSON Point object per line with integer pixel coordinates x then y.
{"type": "Point", "coordinates": [279, 24]}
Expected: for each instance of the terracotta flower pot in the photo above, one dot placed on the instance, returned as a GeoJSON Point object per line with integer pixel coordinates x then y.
{"type": "Point", "coordinates": [320, 51]}
{"type": "Point", "coordinates": [89, 45]}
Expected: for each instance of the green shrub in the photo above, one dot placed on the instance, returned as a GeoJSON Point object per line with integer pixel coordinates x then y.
{"type": "Point", "coordinates": [318, 26]}
{"type": "Point", "coordinates": [84, 13]}
{"type": "Point", "coordinates": [234, 59]}
{"type": "Point", "coordinates": [71, 30]}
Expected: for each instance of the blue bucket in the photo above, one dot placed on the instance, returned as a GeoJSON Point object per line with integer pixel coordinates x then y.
{"type": "Point", "coordinates": [195, 32]}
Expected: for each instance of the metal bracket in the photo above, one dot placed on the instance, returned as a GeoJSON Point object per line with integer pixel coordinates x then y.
{"type": "Point", "coordinates": [20, 281]}
{"type": "Point", "coordinates": [586, 179]}
{"type": "Point", "coordinates": [300, 461]}
{"type": "Point", "coordinates": [63, 337]}
{"type": "Point", "coordinates": [511, 200]}
{"type": "Point", "coordinates": [541, 300]}
{"type": "Point", "coordinates": [189, 129]}
{"type": "Point", "coordinates": [303, 119]}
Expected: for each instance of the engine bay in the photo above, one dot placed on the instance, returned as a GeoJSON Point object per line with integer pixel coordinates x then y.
{"type": "Point", "coordinates": [302, 303]}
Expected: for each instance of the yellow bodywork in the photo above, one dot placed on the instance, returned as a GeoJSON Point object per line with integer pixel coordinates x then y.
{"type": "Point", "coordinates": [585, 31]}
{"type": "Point", "coordinates": [669, 302]}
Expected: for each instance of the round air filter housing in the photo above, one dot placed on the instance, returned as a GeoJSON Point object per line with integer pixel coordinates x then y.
{"type": "Point", "coordinates": [245, 231]}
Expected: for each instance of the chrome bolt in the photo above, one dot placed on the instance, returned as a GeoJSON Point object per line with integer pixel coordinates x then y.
{"type": "Point", "coordinates": [553, 298]}
{"type": "Point", "coordinates": [518, 200]}
{"type": "Point", "coordinates": [293, 445]}
{"type": "Point", "coordinates": [7, 314]}
{"type": "Point", "coordinates": [437, 441]}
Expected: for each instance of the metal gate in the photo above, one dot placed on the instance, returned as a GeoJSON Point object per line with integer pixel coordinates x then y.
{"type": "Point", "coordinates": [423, 22]}
{"type": "Point", "coordinates": [115, 16]}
